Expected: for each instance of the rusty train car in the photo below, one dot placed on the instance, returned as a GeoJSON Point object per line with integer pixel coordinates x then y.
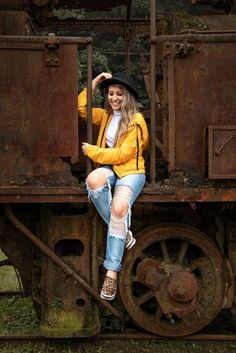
{"type": "Point", "coordinates": [181, 273]}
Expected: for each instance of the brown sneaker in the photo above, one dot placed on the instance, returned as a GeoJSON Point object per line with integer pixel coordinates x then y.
{"type": "Point", "coordinates": [130, 240]}
{"type": "Point", "coordinates": [109, 287]}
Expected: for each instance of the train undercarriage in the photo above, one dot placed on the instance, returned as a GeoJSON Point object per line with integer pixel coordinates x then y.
{"type": "Point", "coordinates": [174, 282]}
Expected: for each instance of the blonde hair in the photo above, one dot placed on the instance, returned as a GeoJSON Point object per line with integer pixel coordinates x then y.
{"type": "Point", "coordinates": [129, 107]}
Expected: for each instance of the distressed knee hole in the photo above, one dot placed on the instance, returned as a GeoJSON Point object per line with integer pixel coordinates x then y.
{"type": "Point", "coordinates": [123, 192]}
{"type": "Point", "coordinates": [96, 181]}
{"type": "Point", "coordinates": [117, 227]}
{"type": "Point", "coordinates": [98, 178]}
{"type": "Point", "coordinates": [121, 200]}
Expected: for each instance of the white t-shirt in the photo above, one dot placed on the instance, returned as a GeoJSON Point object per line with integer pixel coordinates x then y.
{"type": "Point", "coordinates": [113, 128]}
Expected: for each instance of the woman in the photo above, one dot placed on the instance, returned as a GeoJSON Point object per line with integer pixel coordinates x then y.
{"type": "Point", "coordinates": [115, 185]}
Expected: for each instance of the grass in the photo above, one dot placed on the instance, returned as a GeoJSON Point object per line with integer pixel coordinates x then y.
{"type": "Point", "coordinates": [17, 314]}
{"type": "Point", "coordinates": [118, 346]}
{"type": "Point", "coordinates": [8, 277]}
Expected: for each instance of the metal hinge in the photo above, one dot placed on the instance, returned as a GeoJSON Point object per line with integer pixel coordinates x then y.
{"type": "Point", "coordinates": [52, 50]}
{"type": "Point", "coordinates": [183, 49]}
{"type": "Point", "coordinates": [177, 49]}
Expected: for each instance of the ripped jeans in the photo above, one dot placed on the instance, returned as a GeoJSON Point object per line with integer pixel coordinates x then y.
{"type": "Point", "coordinates": [126, 188]}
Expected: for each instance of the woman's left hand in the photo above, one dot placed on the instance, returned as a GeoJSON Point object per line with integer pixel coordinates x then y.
{"type": "Point", "coordinates": [84, 147]}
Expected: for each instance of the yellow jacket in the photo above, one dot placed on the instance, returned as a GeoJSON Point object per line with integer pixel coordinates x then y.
{"type": "Point", "coordinates": [126, 157]}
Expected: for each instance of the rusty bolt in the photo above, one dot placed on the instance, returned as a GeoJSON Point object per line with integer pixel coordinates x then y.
{"type": "Point", "coordinates": [180, 291]}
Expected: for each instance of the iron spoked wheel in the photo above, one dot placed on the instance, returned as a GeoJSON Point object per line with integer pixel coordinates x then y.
{"type": "Point", "coordinates": [172, 282]}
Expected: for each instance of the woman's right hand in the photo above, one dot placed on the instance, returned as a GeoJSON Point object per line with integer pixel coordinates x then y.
{"type": "Point", "coordinates": [101, 77]}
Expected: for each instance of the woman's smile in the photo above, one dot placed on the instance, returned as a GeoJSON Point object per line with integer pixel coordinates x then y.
{"type": "Point", "coordinates": [115, 97]}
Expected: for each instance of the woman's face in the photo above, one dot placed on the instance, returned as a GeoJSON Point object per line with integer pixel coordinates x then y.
{"type": "Point", "coordinates": [115, 97]}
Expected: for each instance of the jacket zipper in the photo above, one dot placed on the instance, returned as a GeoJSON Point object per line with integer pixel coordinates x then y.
{"type": "Point", "coordinates": [137, 147]}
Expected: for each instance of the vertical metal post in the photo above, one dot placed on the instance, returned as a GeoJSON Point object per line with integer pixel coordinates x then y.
{"type": "Point", "coordinates": [128, 57]}
{"type": "Point", "coordinates": [89, 102]}
{"type": "Point", "coordinates": [171, 107]}
{"type": "Point", "coordinates": [94, 252]}
{"type": "Point", "coordinates": [127, 49]}
{"type": "Point", "coordinates": [153, 90]}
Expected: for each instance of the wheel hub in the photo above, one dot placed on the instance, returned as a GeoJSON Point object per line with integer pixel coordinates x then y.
{"type": "Point", "coordinates": [183, 286]}
{"type": "Point", "coordinates": [172, 282]}
{"type": "Point", "coordinates": [170, 289]}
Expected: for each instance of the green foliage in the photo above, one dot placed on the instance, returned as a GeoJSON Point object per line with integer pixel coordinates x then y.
{"type": "Point", "coordinates": [57, 303]}
{"type": "Point", "coordinates": [100, 64]}
{"type": "Point", "coordinates": [63, 14]}
{"type": "Point", "coordinates": [17, 315]}
{"type": "Point", "coordinates": [187, 21]}
{"type": "Point", "coordinates": [140, 9]}
{"type": "Point", "coordinates": [109, 55]}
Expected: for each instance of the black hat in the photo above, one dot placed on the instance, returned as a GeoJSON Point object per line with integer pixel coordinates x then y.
{"type": "Point", "coordinates": [122, 79]}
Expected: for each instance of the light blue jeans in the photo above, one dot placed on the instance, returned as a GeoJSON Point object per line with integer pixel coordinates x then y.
{"type": "Point", "coordinates": [102, 199]}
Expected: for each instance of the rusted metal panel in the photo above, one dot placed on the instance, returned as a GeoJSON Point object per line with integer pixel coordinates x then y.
{"type": "Point", "coordinates": [39, 123]}
{"type": "Point", "coordinates": [157, 194]}
{"type": "Point", "coordinates": [70, 237]}
{"type": "Point", "coordinates": [15, 23]}
{"type": "Point", "coordinates": [203, 83]}
{"type": "Point", "coordinates": [222, 152]}
{"type": "Point", "coordinates": [11, 5]}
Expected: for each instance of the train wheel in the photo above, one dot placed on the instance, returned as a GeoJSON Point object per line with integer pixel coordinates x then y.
{"type": "Point", "coordinates": [172, 282]}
